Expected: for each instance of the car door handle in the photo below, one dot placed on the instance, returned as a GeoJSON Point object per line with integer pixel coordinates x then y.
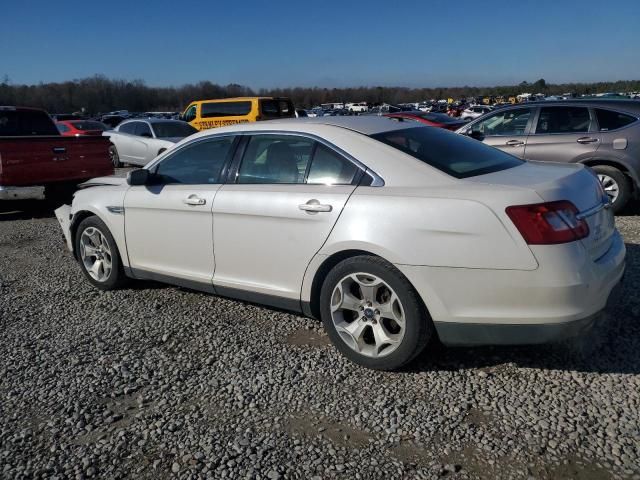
{"type": "Point", "coordinates": [514, 143]}
{"type": "Point", "coordinates": [587, 140]}
{"type": "Point", "coordinates": [194, 200]}
{"type": "Point", "coordinates": [59, 149]}
{"type": "Point", "coordinates": [314, 206]}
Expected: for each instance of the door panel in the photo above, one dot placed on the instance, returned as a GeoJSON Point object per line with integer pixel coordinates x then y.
{"type": "Point", "coordinates": [169, 230]}
{"type": "Point", "coordinates": [505, 129]}
{"type": "Point", "coordinates": [266, 235]}
{"type": "Point", "coordinates": [562, 134]}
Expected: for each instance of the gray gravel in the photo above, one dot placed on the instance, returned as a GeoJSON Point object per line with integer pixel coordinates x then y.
{"type": "Point", "coordinates": [162, 382]}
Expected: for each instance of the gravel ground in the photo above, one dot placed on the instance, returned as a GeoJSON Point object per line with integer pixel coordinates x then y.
{"type": "Point", "coordinates": [162, 382]}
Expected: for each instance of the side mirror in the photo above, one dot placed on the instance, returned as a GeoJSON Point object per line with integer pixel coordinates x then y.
{"type": "Point", "coordinates": [140, 176]}
{"type": "Point", "coordinates": [476, 134]}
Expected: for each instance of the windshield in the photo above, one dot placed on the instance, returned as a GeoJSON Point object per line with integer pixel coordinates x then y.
{"type": "Point", "coordinates": [173, 129]}
{"type": "Point", "coordinates": [89, 125]}
{"type": "Point", "coordinates": [454, 154]}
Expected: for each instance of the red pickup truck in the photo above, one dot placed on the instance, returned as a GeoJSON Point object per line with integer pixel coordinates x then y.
{"type": "Point", "coordinates": [36, 161]}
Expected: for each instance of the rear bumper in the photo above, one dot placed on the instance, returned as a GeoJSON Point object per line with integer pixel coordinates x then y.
{"type": "Point", "coordinates": [564, 297]}
{"type": "Point", "coordinates": [21, 193]}
{"type": "Point", "coordinates": [469, 334]}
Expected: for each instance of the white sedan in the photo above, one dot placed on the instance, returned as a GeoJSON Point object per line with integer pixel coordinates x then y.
{"type": "Point", "coordinates": [393, 234]}
{"type": "Point", "coordinates": [140, 140]}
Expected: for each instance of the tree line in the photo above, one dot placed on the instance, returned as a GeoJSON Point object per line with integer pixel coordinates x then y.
{"type": "Point", "coordinates": [101, 94]}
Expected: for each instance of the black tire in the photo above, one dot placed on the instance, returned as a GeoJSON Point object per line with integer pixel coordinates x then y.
{"type": "Point", "coordinates": [113, 155]}
{"type": "Point", "coordinates": [116, 279]}
{"type": "Point", "coordinates": [623, 182]}
{"type": "Point", "coordinates": [419, 329]}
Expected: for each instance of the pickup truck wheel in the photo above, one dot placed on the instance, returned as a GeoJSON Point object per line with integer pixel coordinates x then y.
{"type": "Point", "coordinates": [98, 255]}
{"type": "Point", "coordinates": [113, 155]}
{"type": "Point", "coordinates": [615, 184]}
{"type": "Point", "coordinates": [373, 315]}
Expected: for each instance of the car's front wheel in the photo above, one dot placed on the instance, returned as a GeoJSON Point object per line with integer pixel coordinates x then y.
{"type": "Point", "coordinates": [373, 315]}
{"type": "Point", "coordinates": [98, 255]}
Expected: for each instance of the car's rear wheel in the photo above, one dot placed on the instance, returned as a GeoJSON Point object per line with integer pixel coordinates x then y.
{"type": "Point", "coordinates": [113, 155]}
{"type": "Point", "coordinates": [98, 255]}
{"type": "Point", "coordinates": [615, 184]}
{"type": "Point", "coordinates": [373, 314]}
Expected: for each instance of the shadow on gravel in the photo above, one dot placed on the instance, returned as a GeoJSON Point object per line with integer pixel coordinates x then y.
{"type": "Point", "coordinates": [26, 209]}
{"type": "Point", "coordinates": [613, 346]}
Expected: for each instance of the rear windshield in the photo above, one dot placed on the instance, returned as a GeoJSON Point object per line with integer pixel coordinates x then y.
{"type": "Point", "coordinates": [225, 109]}
{"type": "Point", "coordinates": [277, 108]}
{"type": "Point", "coordinates": [25, 123]}
{"type": "Point", "coordinates": [454, 154]}
{"type": "Point", "coordinates": [173, 129]}
{"type": "Point", "coordinates": [89, 125]}
{"type": "Point", "coordinates": [439, 117]}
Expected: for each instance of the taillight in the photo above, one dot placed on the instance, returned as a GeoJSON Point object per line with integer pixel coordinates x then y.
{"type": "Point", "coordinates": [548, 223]}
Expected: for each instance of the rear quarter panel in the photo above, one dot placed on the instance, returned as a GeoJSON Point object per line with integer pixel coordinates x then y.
{"type": "Point", "coordinates": [408, 229]}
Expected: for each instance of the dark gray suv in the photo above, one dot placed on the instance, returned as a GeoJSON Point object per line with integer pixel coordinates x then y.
{"type": "Point", "coordinates": [604, 134]}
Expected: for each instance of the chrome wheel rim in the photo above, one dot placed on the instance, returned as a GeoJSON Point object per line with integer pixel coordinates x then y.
{"type": "Point", "coordinates": [368, 315]}
{"type": "Point", "coordinates": [95, 254]}
{"type": "Point", "coordinates": [610, 186]}
{"type": "Point", "coordinates": [113, 155]}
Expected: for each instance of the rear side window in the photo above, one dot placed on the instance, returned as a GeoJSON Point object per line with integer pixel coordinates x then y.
{"type": "Point", "coordinates": [26, 123]}
{"type": "Point", "coordinates": [456, 155]}
{"type": "Point", "coordinates": [275, 159]}
{"type": "Point", "coordinates": [198, 164]}
{"type": "Point", "coordinates": [89, 125]}
{"type": "Point", "coordinates": [276, 108]}
{"type": "Point", "coordinates": [62, 128]}
{"type": "Point", "coordinates": [563, 120]}
{"type": "Point", "coordinates": [609, 120]}
{"type": "Point", "coordinates": [225, 109]}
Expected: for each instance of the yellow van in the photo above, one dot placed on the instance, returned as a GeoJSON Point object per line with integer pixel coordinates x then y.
{"type": "Point", "coordinates": [203, 114]}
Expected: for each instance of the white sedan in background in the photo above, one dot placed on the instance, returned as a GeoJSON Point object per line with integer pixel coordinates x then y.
{"type": "Point", "coordinates": [475, 111]}
{"type": "Point", "coordinates": [394, 235]}
{"type": "Point", "coordinates": [140, 140]}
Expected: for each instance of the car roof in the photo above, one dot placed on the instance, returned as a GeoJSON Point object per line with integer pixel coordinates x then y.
{"type": "Point", "coordinates": [620, 104]}
{"type": "Point", "coordinates": [151, 120]}
{"type": "Point", "coordinates": [366, 124]}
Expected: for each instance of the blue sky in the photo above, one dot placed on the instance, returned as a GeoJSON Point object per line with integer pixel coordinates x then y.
{"type": "Point", "coordinates": [326, 43]}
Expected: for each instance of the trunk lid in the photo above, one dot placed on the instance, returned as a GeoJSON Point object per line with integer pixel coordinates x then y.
{"type": "Point", "coordinates": [575, 183]}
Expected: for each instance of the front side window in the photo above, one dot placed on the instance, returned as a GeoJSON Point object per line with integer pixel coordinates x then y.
{"type": "Point", "coordinates": [275, 159]}
{"type": "Point", "coordinates": [225, 109]}
{"type": "Point", "coordinates": [506, 122]}
{"type": "Point", "coordinates": [143, 130]}
{"type": "Point", "coordinates": [129, 127]}
{"type": "Point", "coordinates": [190, 114]}
{"type": "Point", "coordinates": [456, 155]}
{"type": "Point", "coordinates": [330, 168]}
{"type": "Point", "coordinates": [609, 120]}
{"type": "Point", "coordinates": [197, 164]}
{"type": "Point", "coordinates": [563, 120]}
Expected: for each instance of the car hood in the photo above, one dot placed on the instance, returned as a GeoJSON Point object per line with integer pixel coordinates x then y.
{"type": "Point", "coordinates": [112, 180]}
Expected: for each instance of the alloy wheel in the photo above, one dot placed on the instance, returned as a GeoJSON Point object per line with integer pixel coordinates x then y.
{"type": "Point", "coordinates": [610, 186]}
{"type": "Point", "coordinates": [95, 254]}
{"type": "Point", "coordinates": [367, 314]}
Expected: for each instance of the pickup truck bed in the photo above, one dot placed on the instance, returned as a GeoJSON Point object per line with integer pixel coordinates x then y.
{"type": "Point", "coordinates": [29, 164]}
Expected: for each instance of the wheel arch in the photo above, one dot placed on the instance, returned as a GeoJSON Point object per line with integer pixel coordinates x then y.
{"type": "Point", "coordinates": [624, 168]}
{"type": "Point", "coordinates": [77, 219]}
